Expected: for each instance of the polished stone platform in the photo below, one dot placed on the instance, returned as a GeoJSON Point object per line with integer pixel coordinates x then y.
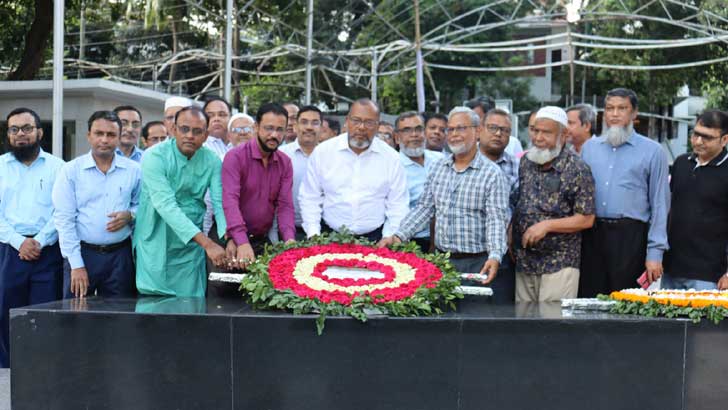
{"type": "Point", "coordinates": [177, 353]}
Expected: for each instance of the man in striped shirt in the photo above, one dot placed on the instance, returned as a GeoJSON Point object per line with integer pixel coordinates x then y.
{"type": "Point", "coordinates": [468, 195]}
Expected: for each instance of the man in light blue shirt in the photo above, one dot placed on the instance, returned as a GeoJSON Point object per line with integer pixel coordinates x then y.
{"type": "Point", "coordinates": [308, 131]}
{"type": "Point", "coordinates": [632, 202]}
{"type": "Point", "coordinates": [30, 260]}
{"type": "Point", "coordinates": [131, 127]}
{"type": "Point", "coordinates": [409, 134]}
{"type": "Point", "coordinates": [96, 197]}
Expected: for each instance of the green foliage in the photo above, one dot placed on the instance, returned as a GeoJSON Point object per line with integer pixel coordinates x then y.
{"type": "Point", "coordinates": [654, 309]}
{"type": "Point", "coordinates": [261, 294]}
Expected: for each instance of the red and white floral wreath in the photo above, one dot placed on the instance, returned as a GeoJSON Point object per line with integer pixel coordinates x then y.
{"type": "Point", "coordinates": [303, 271]}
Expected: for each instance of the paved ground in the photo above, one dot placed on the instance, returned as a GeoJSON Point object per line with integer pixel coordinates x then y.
{"type": "Point", "coordinates": [4, 389]}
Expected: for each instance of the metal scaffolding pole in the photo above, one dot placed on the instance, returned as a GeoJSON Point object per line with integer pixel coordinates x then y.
{"type": "Point", "coordinates": [309, 52]}
{"type": "Point", "coordinates": [374, 75]}
{"type": "Point", "coordinates": [228, 50]}
{"type": "Point", "coordinates": [419, 79]}
{"type": "Point", "coordinates": [58, 9]}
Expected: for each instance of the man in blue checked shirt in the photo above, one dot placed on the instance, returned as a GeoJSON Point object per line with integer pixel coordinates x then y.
{"type": "Point", "coordinates": [468, 195]}
{"type": "Point", "coordinates": [95, 197]}
{"type": "Point", "coordinates": [30, 260]}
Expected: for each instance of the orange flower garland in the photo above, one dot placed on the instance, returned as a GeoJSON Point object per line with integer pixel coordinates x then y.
{"type": "Point", "coordinates": [682, 298]}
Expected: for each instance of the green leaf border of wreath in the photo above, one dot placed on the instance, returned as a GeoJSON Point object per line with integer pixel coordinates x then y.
{"type": "Point", "coordinates": [260, 293]}
{"type": "Point", "coordinates": [654, 309]}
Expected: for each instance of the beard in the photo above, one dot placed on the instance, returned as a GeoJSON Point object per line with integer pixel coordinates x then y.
{"type": "Point", "coordinates": [359, 144]}
{"type": "Point", "coordinates": [617, 135]}
{"type": "Point", "coordinates": [27, 152]}
{"type": "Point", "coordinates": [542, 155]}
{"type": "Point", "coordinates": [265, 147]}
{"type": "Point", "coordinates": [459, 149]}
{"type": "Point", "coordinates": [412, 152]}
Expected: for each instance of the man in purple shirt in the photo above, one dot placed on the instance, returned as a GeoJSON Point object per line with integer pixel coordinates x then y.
{"type": "Point", "coordinates": [257, 184]}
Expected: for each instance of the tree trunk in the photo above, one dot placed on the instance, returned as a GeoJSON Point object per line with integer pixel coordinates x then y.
{"type": "Point", "coordinates": [35, 42]}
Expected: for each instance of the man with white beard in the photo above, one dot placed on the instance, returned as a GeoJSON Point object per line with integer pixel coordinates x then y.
{"type": "Point", "coordinates": [409, 134]}
{"type": "Point", "coordinates": [468, 196]}
{"type": "Point", "coordinates": [630, 171]}
{"type": "Point", "coordinates": [555, 203]}
{"type": "Point", "coordinates": [354, 181]}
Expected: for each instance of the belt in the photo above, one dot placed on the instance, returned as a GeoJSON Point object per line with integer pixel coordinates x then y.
{"type": "Point", "coordinates": [106, 248]}
{"type": "Point", "coordinates": [619, 221]}
{"type": "Point", "coordinates": [463, 255]}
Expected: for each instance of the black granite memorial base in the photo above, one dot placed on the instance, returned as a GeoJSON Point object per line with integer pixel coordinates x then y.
{"type": "Point", "coordinates": [175, 353]}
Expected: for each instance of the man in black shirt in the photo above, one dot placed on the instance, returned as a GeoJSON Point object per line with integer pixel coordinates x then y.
{"type": "Point", "coordinates": [698, 223]}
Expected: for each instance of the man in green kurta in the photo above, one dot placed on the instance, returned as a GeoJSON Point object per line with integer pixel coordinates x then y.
{"type": "Point", "coordinates": [169, 244]}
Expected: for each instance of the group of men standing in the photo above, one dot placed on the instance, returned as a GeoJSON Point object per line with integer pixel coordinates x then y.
{"type": "Point", "coordinates": [574, 215]}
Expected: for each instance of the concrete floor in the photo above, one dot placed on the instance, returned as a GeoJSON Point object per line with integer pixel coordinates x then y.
{"type": "Point", "coordinates": [4, 389]}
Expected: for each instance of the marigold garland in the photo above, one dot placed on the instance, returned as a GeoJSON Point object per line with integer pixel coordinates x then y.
{"type": "Point", "coordinates": [712, 304]}
{"type": "Point", "coordinates": [293, 277]}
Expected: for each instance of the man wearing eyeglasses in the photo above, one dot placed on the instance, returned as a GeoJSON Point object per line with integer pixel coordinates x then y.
{"type": "Point", "coordinates": [171, 107]}
{"type": "Point", "coordinates": [308, 129]}
{"type": "Point", "coordinates": [169, 245]}
{"type": "Point", "coordinates": [698, 225]}
{"type": "Point", "coordinates": [292, 110]}
{"type": "Point", "coordinates": [218, 112]}
{"type": "Point", "coordinates": [31, 266]}
{"type": "Point", "coordinates": [153, 133]}
{"type": "Point", "coordinates": [131, 126]}
{"type": "Point", "coordinates": [417, 161]}
{"type": "Point", "coordinates": [468, 196]}
{"type": "Point", "coordinates": [630, 173]}
{"type": "Point", "coordinates": [240, 129]}
{"type": "Point", "coordinates": [493, 142]}
{"type": "Point", "coordinates": [257, 185]}
{"type": "Point", "coordinates": [354, 181]}
{"type": "Point", "coordinates": [95, 198]}
{"type": "Point", "coordinates": [385, 132]}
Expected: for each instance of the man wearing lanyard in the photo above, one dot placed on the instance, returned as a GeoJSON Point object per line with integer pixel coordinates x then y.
{"type": "Point", "coordinates": [96, 196]}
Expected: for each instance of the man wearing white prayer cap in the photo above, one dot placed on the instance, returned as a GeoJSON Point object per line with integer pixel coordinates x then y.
{"type": "Point", "coordinates": [240, 129]}
{"type": "Point", "coordinates": [555, 202]}
{"type": "Point", "coordinates": [171, 106]}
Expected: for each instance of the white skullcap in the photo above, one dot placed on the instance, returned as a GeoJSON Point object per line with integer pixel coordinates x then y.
{"type": "Point", "coordinates": [553, 113]}
{"type": "Point", "coordinates": [177, 102]}
{"type": "Point", "coordinates": [237, 117]}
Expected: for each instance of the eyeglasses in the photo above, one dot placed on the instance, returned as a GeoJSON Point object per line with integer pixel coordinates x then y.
{"type": "Point", "coordinates": [705, 137]}
{"type": "Point", "coordinates": [269, 129]}
{"type": "Point", "coordinates": [27, 129]}
{"type": "Point", "coordinates": [411, 130]}
{"type": "Point", "coordinates": [238, 130]}
{"type": "Point", "coordinates": [494, 129]}
{"type": "Point", "coordinates": [133, 124]}
{"type": "Point", "coordinates": [367, 123]}
{"type": "Point", "coordinates": [195, 131]}
{"type": "Point", "coordinates": [460, 129]}
{"type": "Point", "coordinates": [313, 123]}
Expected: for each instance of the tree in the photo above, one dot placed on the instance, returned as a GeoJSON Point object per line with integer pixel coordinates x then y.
{"type": "Point", "coordinates": [36, 38]}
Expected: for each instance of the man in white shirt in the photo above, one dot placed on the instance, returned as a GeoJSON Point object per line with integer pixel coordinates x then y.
{"type": "Point", "coordinates": [218, 112]}
{"type": "Point", "coordinates": [355, 181]}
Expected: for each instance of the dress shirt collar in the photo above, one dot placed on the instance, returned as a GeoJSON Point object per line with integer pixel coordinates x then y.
{"type": "Point", "coordinates": [214, 140]}
{"type": "Point", "coordinates": [476, 163]}
{"type": "Point", "coordinates": [407, 161]}
{"type": "Point", "coordinates": [134, 152]}
{"type": "Point", "coordinates": [257, 154]}
{"type": "Point", "coordinates": [505, 157]}
{"type": "Point", "coordinates": [715, 162]}
{"type": "Point", "coordinates": [343, 144]}
{"type": "Point", "coordinates": [41, 155]}
{"type": "Point", "coordinates": [603, 139]}
{"type": "Point", "coordinates": [87, 162]}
